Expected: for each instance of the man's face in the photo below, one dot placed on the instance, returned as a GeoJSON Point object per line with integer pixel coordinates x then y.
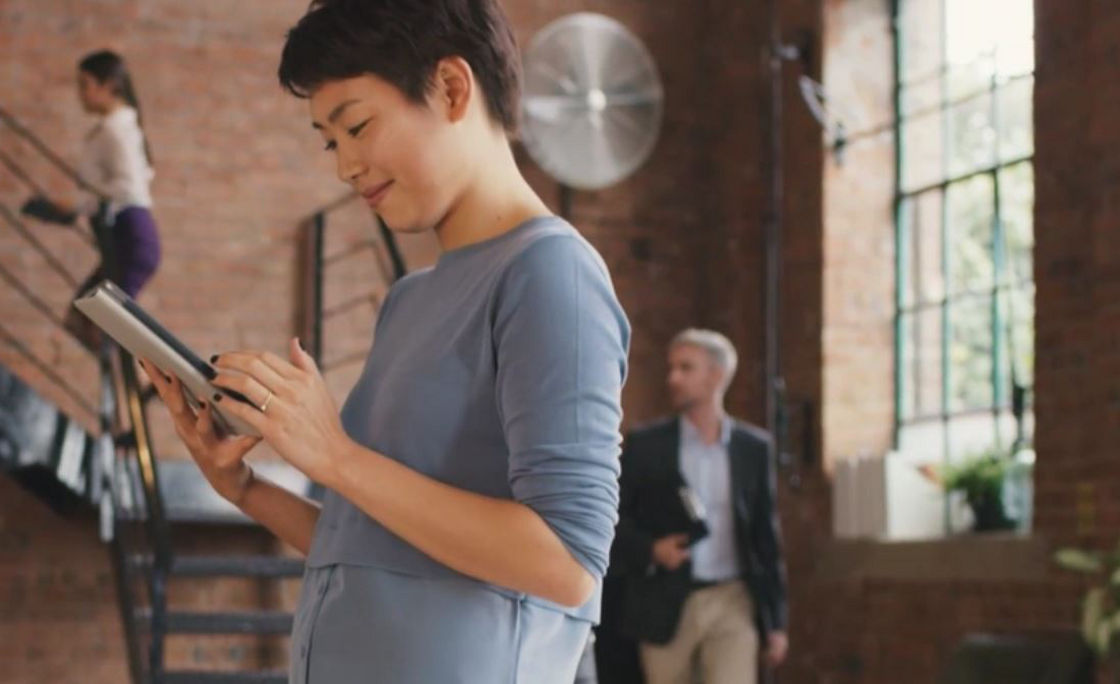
{"type": "Point", "coordinates": [694, 377]}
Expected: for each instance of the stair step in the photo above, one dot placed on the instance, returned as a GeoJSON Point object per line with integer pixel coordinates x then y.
{"type": "Point", "coordinates": [261, 622]}
{"type": "Point", "coordinates": [228, 566]}
{"type": "Point", "coordinates": [192, 677]}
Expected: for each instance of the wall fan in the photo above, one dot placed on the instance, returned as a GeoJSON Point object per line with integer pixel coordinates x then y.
{"type": "Point", "coordinates": [592, 103]}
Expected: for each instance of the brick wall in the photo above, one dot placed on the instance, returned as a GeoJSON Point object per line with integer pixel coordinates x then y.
{"type": "Point", "coordinates": [234, 179]}
{"type": "Point", "coordinates": [683, 239]}
{"type": "Point", "coordinates": [888, 626]}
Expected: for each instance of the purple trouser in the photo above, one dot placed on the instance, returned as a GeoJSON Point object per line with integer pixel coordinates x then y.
{"type": "Point", "coordinates": [134, 241]}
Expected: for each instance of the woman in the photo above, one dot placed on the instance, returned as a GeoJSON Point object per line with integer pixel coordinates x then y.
{"type": "Point", "coordinates": [472, 474]}
{"type": "Point", "coordinates": [116, 161]}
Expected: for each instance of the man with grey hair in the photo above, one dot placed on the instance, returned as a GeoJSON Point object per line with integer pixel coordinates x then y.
{"type": "Point", "coordinates": [702, 602]}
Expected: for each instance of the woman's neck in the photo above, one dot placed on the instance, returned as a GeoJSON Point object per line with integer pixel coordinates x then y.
{"type": "Point", "coordinates": [494, 203]}
{"type": "Point", "coordinates": [112, 106]}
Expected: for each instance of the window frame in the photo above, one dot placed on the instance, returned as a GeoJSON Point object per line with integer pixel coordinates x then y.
{"type": "Point", "coordinates": [1001, 289]}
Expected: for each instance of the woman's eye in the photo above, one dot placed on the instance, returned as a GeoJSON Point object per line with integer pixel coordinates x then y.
{"type": "Point", "coordinates": [357, 129]}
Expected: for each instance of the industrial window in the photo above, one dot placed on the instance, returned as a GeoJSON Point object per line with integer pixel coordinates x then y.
{"type": "Point", "coordinates": [964, 324]}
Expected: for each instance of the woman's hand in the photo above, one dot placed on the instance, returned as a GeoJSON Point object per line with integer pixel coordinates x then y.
{"type": "Point", "coordinates": [293, 409]}
{"type": "Point", "coordinates": [50, 211]}
{"type": "Point", "coordinates": [219, 458]}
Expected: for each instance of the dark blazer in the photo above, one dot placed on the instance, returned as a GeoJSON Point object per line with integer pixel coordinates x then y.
{"type": "Point", "coordinates": [650, 597]}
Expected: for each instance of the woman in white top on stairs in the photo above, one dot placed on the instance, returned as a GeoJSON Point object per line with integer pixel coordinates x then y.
{"type": "Point", "coordinates": [117, 161]}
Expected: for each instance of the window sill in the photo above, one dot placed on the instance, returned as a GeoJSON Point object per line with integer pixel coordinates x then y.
{"type": "Point", "coordinates": [973, 557]}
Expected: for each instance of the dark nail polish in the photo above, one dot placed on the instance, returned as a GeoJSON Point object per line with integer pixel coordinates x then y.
{"type": "Point", "coordinates": [214, 358]}
{"type": "Point", "coordinates": [217, 397]}
{"type": "Point", "coordinates": [300, 343]}
{"type": "Point", "coordinates": [202, 406]}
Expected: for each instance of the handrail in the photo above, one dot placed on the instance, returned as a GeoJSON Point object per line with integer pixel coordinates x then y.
{"type": "Point", "coordinates": [12, 220]}
{"type": "Point", "coordinates": [45, 368]}
{"type": "Point", "coordinates": [334, 204]}
{"type": "Point", "coordinates": [30, 296]}
{"type": "Point", "coordinates": [104, 486]}
{"type": "Point", "coordinates": [18, 171]}
{"type": "Point", "coordinates": [21, 174]}
{"type": "Point", "coordinates": [42, 148]}
{"type": "Point", "coordinates": [315, 263]}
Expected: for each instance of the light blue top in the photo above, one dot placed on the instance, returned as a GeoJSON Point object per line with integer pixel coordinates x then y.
{"type": "Point", "coordinates": [498, 371]}
{"type": "Point", "coordinates": [707, 470]}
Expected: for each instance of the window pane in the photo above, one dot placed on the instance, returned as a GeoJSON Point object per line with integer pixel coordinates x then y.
{"type": "Point", "coordinates": [922, 160]}
{"type": "Point", "coordinates": [970, 354]}
{"type": "Point", "coordinates": [970, 29]}
{"type": "Point", "coordinates": [971, 205]}
{"type": "Point", "coordinates": [922, 96]}
{"type": "Point", "coordinates": [969, 45]}
{"type": "Point", "coordinates": [922, 363]}
{"type": "Point", "coordinates": [1016, 129]}
{"type": "Point", "coordinates": [1014, 37]}
{"type": "Point", "coordinates": [968, 79]}
{"type": "Point", "coordinates": [1016, 197]}
{"type": "Point", "coordinates": [924, 280]}
{"type": "Point", "coordinates": [923, 442]}
{"type": "Point", "coordinates": [920, 24]}
{"type": "Point", "coordinates": [972, 137]}
{"type": "Point", "coordinates": [971, 435]}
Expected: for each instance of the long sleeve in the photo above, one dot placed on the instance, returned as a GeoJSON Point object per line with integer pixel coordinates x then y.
{"type": "Point", "coordinates": [766, 540]}
{"type": "Point", "coordinates": [560, 344]}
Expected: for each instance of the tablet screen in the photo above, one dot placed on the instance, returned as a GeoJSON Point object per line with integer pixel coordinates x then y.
{"type": "Point", "coordinates": [181, 349]}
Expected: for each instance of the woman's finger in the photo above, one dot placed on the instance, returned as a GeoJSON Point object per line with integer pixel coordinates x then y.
{"type": "Point", "coordinates": [280, 365]}
{"type": "Point", "coordinates": [270, 369]}
{"type": "Point", "coordinates": [176, 400]}
{"type": "Point", "coordinates": [249, 387]}
{"type": "Point", "coordinates": [159, 380]}
{"type": "Point", "coordinates": [250, 415]}
{"type": "Point", "coordinates": [300, 358]}
{"type": "Point", "coordinates": [204, 425]}
{"type": "Point", "coordinates": [169, 389]}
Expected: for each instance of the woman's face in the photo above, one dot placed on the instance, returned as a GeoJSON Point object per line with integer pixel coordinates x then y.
{"type": "Point", "coordinates": [399, 155]}
{"type": "Point", "coordinates": [95, 96]}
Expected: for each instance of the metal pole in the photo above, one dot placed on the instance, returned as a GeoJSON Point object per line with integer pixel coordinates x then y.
{"type": "Point", "coordinates": [565, 202]}
{"type": "Point", "coordinates": [318, 226]}
{"type": "Point", "coordinates": [773, 227]}
{"type": "Point", "coordinates": [46, 152]}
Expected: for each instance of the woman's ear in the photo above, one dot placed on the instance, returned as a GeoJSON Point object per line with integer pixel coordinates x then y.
{"type": "Point", "coordinates": [454, 88]}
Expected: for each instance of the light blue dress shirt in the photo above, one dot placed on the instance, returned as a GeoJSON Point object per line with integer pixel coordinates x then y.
{"type": "Point", "coordinates": [707, 470]}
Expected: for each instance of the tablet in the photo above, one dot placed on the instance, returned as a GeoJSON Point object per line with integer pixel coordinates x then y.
{"type": "Point", "coordinates": [112, 310]}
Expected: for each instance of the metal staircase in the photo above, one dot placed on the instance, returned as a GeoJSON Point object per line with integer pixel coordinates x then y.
{"type": "Point", "coordinates": [142, 502]}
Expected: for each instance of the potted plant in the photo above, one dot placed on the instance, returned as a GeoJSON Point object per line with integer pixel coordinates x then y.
{"type": "Point", "coordinates": [981, 478]}
{"type": "Point", "coordinates": [1100, 608]}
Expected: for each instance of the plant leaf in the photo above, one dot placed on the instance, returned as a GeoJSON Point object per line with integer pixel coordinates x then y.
{"type": "Point", "coordinates": [1078, 560]}
{"type": "Point", "coordinates": [1104, 638]}
{"type": "Point", "coordinates": [1091, 616]}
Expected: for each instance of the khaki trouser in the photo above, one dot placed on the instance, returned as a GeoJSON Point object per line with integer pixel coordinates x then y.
{"type": "Point", "coordinates": [716, 636]}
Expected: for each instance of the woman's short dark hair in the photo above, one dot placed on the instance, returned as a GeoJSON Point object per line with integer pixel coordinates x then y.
{"type": "Point", "coordinates": [401, 41]}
